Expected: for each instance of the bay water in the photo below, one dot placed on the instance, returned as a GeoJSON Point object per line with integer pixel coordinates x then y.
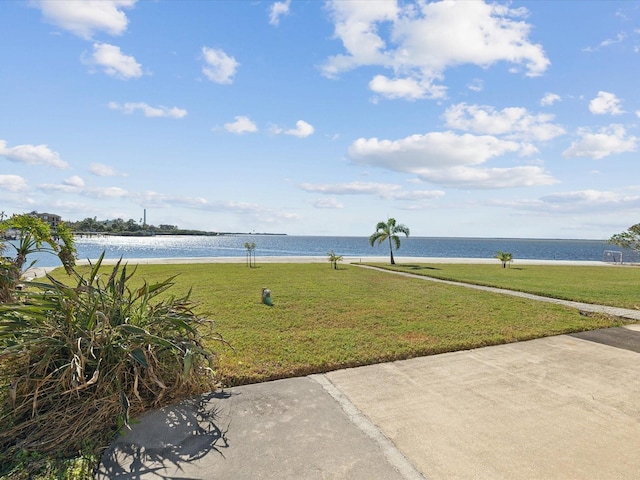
{"type": "Point", "coordinates": [177, 246]}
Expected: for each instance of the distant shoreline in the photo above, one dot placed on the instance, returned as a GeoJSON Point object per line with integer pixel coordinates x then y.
{"type": "Point", "coordinates": [182, 233]}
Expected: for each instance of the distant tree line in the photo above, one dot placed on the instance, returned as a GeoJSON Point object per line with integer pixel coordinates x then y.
{"type": "Point", "coordinates": [128, 227]}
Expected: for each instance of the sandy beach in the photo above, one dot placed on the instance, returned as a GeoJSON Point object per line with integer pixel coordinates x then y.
{"type": "Point", "coordinates": [36, 272]}
{"type": "Point", "coordinates": [345, 260]}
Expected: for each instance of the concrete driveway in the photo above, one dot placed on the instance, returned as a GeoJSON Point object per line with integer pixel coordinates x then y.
{"type": "Point", "coordinates": [564, 407]}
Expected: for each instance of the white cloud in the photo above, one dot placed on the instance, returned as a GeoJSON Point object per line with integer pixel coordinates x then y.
{"type": "Point", "coordinates": [277, 10]}
{"type": "Point", "coordinates": [417, 195]}
{"type": "Point", "coordinates": [549, 99]}
{"type": "Point", "coordinates": [488, 178]}
{"type": "Point", "coordinates": [450, 159]}
{"type": "Point", "coordinates": [148, 110]}
{"type": "Point", "coordinates": [382, 190]}
{"type": "Point", "coordinates": [32, 155]}
{"type": "Point", "coordinates": [608, 141]}
{"type": "Point", "coordinates": [426, 39]}
{"type": "Point", "coordinates": [329, 203]}
{"type": "Point", "coordinates": [74, 181]}
{"type": "Point", "coordinates": [302, 130]}
{"type": "Point", "coordinates": [108, 192]}
{"type": "Point", "coordinates": [101, 170]}
{"type": "Point", "coordinates": [75, 185]}
{"type": "Point", "coordinates": [220, 67]}
{"type": "Point", "coordinates": [86, 17]}
{"type": "Point", "coordinates": [619, 38]}
{"type": "Point", "coordinates": [406, 88]}
{"type": "Point", "coordinates": [356, 26]}
{"type": "Point", "coordinates": [115, 63]}
{"type": "Point", "coordinates": [605, 103]}
{"type": "Point", "coordinates": [241, 125]}
{"type": "Point", "coordinates": [58, 188]}
{"type": "Point", "coordinates": [587, 197]}
{"type": "Point", "coordinates": [434, 149]}
{"type": "Point", "coordinates": [515, 122]}
{"type": "Point", "coordinates": [587, 201]}
{"type": "Point", "coordinates": [13, 183]}
{"type": "Point", "coordinates": [476, 85]}
{"type": "Point", "coordinates": [352, 188]}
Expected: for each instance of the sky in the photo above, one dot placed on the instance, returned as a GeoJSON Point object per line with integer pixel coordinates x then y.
{"type": "Point", "coordinates": [456, 118]}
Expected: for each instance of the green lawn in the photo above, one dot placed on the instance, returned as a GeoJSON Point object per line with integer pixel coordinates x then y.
{"type": "Point", "coordinates": [618, 286]}
{"type": "Point", "coordinates": [326, 319]}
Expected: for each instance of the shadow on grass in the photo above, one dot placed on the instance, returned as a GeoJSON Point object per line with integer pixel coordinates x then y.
{"type": "Point", "coordinates": [166, 440]}
{"type": "Point", "coordinates": [412, 266]}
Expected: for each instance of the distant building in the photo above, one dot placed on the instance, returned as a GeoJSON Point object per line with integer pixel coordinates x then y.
{"type": "Point", "coordinates": [50, 218]}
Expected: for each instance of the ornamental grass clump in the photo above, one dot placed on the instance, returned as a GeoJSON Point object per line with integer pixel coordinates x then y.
{"type": "Point", "coordinates": [77, 361]}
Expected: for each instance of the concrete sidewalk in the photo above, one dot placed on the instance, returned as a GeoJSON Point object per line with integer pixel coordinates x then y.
{"type": "Point", "coordinates": [563, 407]}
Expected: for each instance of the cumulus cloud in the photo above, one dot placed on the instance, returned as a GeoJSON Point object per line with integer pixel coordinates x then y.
{"type": "Point", "coordinates": [148, 110]}
{"type": "Point", "coordinates": [32, 155]}
{"type": "Point", "coordinates": [74, 181]}
{"type": "Point", "coordinates": [13, 183]}
{"type": "Point", "coordinates": [277, 10]}
{"type": "Point", "coordinates": [434, 149]}
{"type": "Point", "coordinates": [549, 99]}
{"type": "Point", "coordinates": [605, 103]}
{"type": "Point", "coordinates": [450, 159]}
{"type": "Point", "coordinates": [113, 62]}
{"type": "Point", "coordinates": [426, 39]}
{"type": "Point", "coordinates": [405, 88]}
{"type": "Point", "coordinates": [515, 122]}
{"type": "Point", "coordinates": [87, 17]}
{"type": "Point", "coordinates": [219, 67]}
{"type": "Point", "coordinates": [102, 170]}
{"type": "Point", "coordinates": [302, 130]}
{"type": "Point", "coordinates": [241, 125]}
{"type": "Point", "coordinates": [607, 141]}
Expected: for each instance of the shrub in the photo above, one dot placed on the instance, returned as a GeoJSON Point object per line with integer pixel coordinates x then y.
{"type": "Point", "coordinates": [34, 235]}
{"type": "Point", "coordinates": [77, 361]}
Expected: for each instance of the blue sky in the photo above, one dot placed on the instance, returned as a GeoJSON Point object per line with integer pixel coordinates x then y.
{"type": "Point", "coordinates": [474, 119]}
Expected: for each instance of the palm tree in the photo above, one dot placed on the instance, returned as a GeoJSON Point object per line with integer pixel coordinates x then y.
{"type": "Point", "coordinates": [504, 257]}
{"type": "Point", "coordinates": [251, 247]}
{"type": "Point", "coordinates": [334, 259]}
{"type": "Point", "coordinates": [390, 231]}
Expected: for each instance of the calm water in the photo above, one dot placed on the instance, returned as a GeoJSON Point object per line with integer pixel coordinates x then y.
{"type": "Point", "coordinates": [281, 245]}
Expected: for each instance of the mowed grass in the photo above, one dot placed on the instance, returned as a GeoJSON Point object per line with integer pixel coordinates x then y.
{"type": "Point", "coordinates": [324, 319]}
{"type": "Point", "coordinates": [613, 285]}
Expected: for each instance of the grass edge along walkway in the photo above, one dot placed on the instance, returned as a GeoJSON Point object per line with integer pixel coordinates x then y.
{"type": "Point", "coordinates": [583, 307]}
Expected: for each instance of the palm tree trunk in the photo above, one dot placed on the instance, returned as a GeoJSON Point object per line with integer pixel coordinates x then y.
{"type": "Point", "coordinates": [393, 262]}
